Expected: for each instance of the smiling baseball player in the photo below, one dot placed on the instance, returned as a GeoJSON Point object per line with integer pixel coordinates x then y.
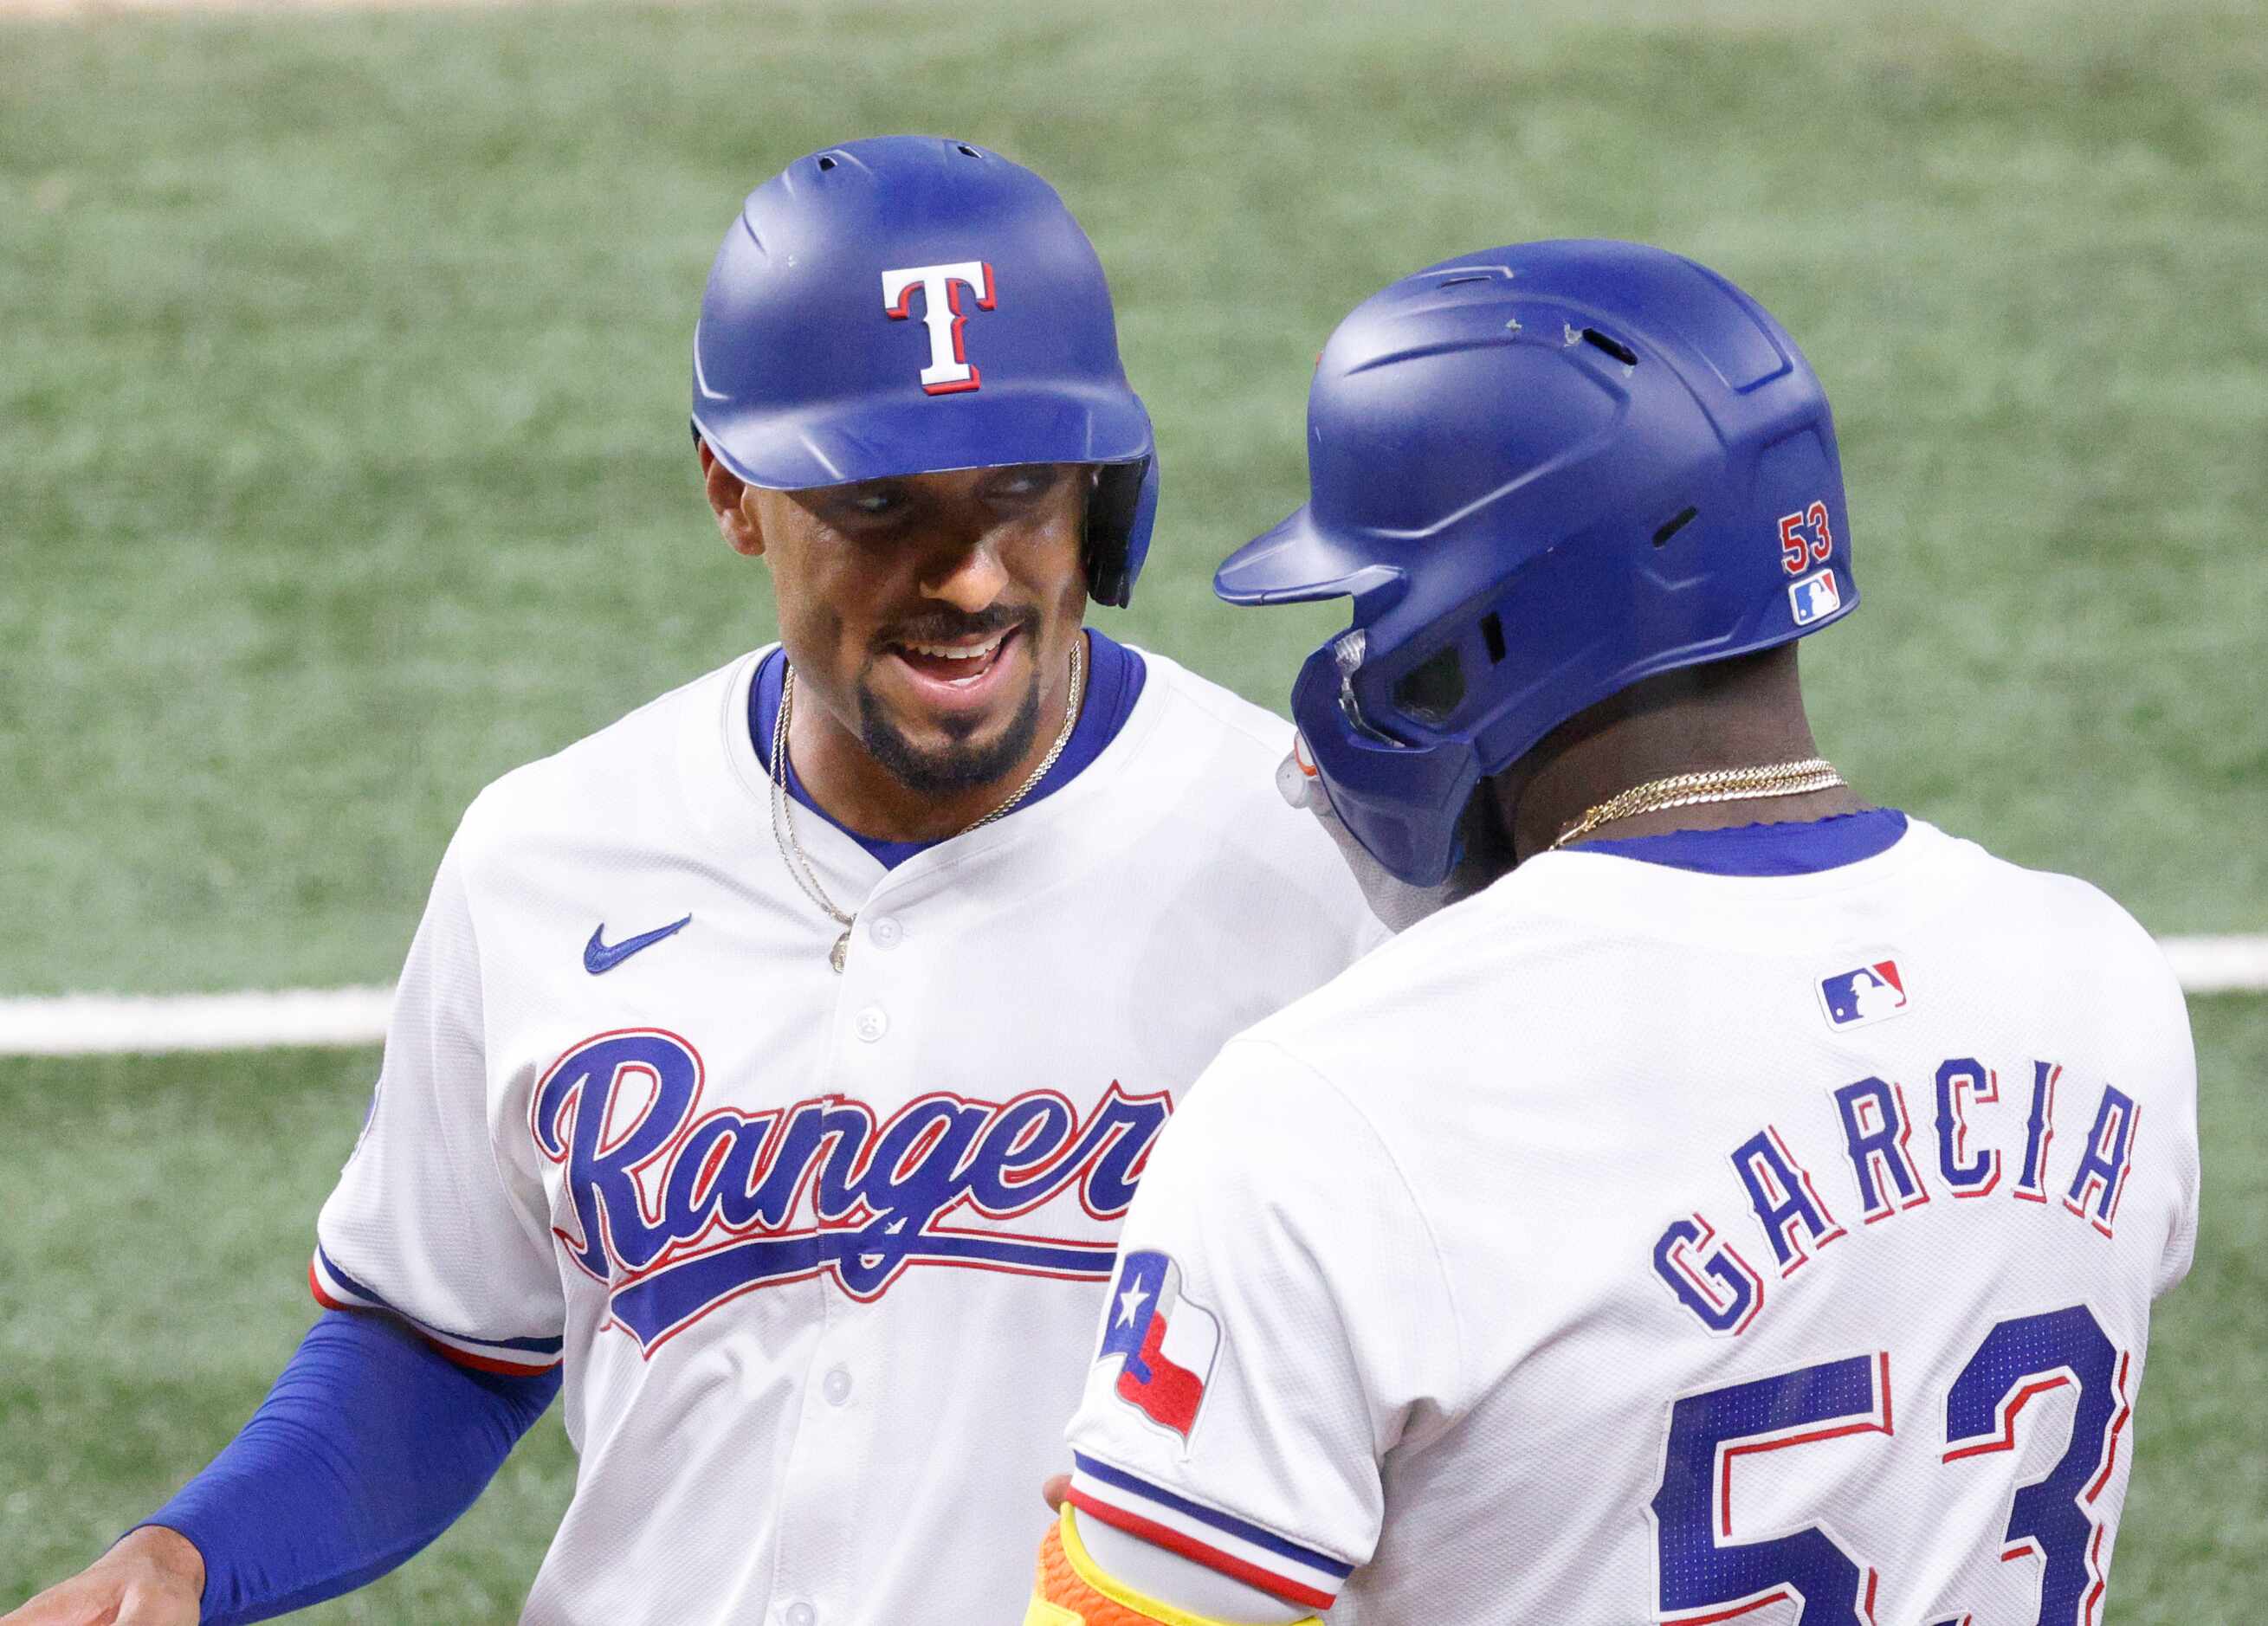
{"type": "Point", "coordinates": [1748, 1206]}
{"type": "Point", "coordinates": [773, 1067]}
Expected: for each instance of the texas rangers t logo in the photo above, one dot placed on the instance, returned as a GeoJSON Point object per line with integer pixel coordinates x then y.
{"type": "Point", "coordinates": [949, 369]}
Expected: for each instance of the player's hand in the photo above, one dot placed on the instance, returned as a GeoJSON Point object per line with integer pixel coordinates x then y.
{"type": "Point", "coordinates": [155, 1576]}
{"type": "Point", "coordinates": [1057, 1489]}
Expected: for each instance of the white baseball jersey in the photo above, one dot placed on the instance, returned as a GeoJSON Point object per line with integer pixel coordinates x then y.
{"type": "Point", "coordinates": [1635, 1244]}
{"type": "Point", "coordinates": [822, 1253]}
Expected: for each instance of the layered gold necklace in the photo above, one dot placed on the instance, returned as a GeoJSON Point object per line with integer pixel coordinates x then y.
{"type": "Point", "coordinates": [1717, 785]}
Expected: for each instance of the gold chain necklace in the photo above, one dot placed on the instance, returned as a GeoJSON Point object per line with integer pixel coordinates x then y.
{"type": "Point", "coordinates": [1717, 784]}
{"type": "Point", "coordinates": [783, 818]}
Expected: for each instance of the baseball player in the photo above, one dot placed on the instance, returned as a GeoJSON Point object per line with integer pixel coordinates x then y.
{"type": "Point", "coordinates": [771, 1070]}
{"type": "Point", "coordinates": [1748, 1206]}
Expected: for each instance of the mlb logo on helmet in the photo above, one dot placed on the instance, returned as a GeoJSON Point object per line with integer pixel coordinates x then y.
{"type": "Point", "coordinates": [1815, 598]}
{"type": "Point", "coordinates": [1870, 993]}
{"type": "Point", "coordinates": [1167, 1342]}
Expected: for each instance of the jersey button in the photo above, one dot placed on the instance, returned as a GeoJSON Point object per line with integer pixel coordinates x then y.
{"type": "Point", "coordinates": [886, 931]}
{"type": "Point", "coordinates": [872, 1023]}
{"type": "Point", "coordinates": [837, 1386]}
{"type": "Point", "coordinates": [801, 1614]}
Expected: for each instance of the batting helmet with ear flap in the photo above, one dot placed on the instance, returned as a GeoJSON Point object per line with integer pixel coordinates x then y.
{"type": "Point", "coordinates": [1542, 473]}
{"type": "Point", "coordinates": [909, 305]}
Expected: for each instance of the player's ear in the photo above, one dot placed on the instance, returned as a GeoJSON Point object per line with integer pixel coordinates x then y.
{"type": "Point", "coordinates": [731, 500]}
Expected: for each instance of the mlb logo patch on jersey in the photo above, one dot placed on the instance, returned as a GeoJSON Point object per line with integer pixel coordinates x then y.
{"type": "Point", "coordinates": [1869, 993]}
{"type": "Point", "coordinates": [1166, 1342]}
{"type": "Point", "coordinates": [1815, 598]}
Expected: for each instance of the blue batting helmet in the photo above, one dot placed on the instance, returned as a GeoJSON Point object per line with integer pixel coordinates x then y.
{"type": "Point", "coordinates": [909, 305]}
{"type": "Point", "coordinates": [1542, 473]}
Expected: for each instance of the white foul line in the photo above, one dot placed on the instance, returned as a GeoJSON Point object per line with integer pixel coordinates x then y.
{"type": "Point", "coordinates": [2224, 965]}
{"type": "Point", "coordinates": [123, 1024]}
{"type": "Point", "coordinates": [115, 1024]}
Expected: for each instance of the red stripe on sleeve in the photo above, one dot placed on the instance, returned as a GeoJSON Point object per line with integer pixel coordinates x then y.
{"type": "Point", "coordinates": [1212, 1558]}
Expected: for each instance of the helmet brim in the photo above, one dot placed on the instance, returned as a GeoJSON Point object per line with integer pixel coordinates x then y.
{"type": "Point", "coordinates": [1297, 563]}
{"type": "Point", "coordinates": [992, 427]}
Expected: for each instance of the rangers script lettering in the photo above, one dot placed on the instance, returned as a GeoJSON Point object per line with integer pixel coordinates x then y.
{"type": "Point", "coordinates": [681, 1213]}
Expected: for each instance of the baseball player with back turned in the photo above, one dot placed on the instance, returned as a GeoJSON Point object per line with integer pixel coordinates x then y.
{"type": "Point", "coordinates": [1748, 1205]}
{"type": "Point", "coordinates": [773, 1067]}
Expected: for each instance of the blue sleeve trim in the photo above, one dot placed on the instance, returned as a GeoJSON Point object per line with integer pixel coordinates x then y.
{"type": "Point", "coordinates": [534, 1346]}
{"type": "Point", "coordinates": [1268, 1541]}
{"type": "Point", "coordinates": [370, 1443]}
{"type": "Point", "coordinates": [1804, 846]}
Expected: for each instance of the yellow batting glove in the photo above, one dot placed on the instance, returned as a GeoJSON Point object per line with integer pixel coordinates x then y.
{"type": "Point", "coordinates": [1071, 1590]}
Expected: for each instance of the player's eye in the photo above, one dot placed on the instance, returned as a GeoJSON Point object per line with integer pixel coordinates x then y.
{"type": "Point", "coordinates": [863, 503]}
{"type": "Point", "coordinates": [1033, 480]}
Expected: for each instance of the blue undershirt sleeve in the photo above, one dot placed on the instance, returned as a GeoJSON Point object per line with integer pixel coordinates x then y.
{"type": "Point", "coordinates": [370, 1443]}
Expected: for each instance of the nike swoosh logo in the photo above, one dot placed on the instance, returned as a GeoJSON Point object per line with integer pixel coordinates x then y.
{"type": "Point", "coordinates": [599, 956]}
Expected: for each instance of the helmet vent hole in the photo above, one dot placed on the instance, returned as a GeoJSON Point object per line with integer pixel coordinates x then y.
{"type": "Point", "coordinates": [1492, 634]}
{"type": "Point", "coordinates": [826, 163]}
{"type": "Point", "coordinates": [1614, 348]}
{"type": "Point", "coordinates": [966, 149]}
{"type": "Point", "coordinates": [1432, 689]}
{"type": "Point", "coordinates": [1474, 276]}
{"type": "Point", "coordinates": [1672, 527]}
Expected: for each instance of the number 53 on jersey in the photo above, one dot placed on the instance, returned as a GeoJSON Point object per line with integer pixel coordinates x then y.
{"type": "Point", "coordinates": [1703, 1576]}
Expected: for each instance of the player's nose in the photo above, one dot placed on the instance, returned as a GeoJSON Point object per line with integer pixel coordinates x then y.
{"type": "Point", "coordinates": [969, 578]}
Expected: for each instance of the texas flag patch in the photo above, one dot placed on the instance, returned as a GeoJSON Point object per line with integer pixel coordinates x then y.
{"type": "Point", "coordinates": [1869, 993]}
{"type": "Point", "coordinates": [1167, 1342]}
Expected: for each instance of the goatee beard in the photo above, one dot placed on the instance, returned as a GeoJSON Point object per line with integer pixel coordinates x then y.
{"type": "Point", "coordinates": [956, 768]}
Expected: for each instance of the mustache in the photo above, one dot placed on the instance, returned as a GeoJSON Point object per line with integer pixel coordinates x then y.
{"type": "Point", "coordinates": [946, 626]}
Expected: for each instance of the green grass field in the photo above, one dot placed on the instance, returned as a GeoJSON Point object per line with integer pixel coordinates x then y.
{"type": "Point", "coordinates": [342, 466]}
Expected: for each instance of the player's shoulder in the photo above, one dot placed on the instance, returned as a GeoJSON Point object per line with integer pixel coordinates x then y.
{"type": "Point", "coordinates": [2066, 914]}
{"type": "Point", "coordinates": [605, 775]}
{"type": "Point", "coordinates": [1361, 1032]}
{"type": "Point", "coordinates": [1204, 767]}
{"type": "Point", "coordinates": [1205, 755]}
{"type": "Point", "coordinates": [2105, 958]}
{"type": "Point", "coordinates": [1187, 800]}
{"type": "Point", "coordinates": [1514, 941]}
{"type": "Point", "coordinates": [1203, 717]}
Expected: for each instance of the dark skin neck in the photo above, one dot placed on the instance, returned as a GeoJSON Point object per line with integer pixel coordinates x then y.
{"type": "Point", "coordinates": [1747, 713]}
